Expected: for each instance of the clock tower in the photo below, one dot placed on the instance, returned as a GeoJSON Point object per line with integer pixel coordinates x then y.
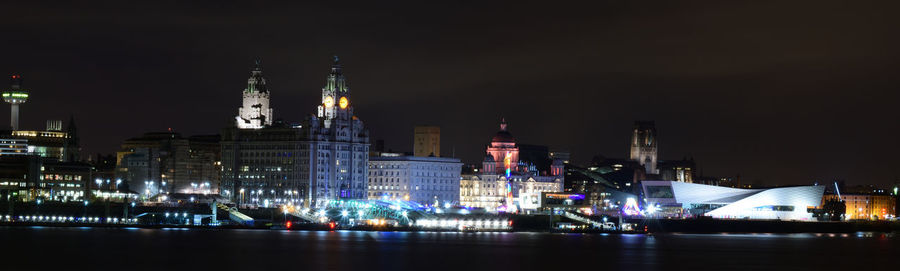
{"type": "Point", "coordinates": [335, 96]}
{"type": "Point", "coordinates": [338, 143]}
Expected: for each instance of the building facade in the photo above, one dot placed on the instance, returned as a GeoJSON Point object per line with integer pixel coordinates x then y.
{"type": "Point", "coordinates": [426, 180]}
{"type": "Point", "coordinates": [54, 143]}
{"type": "Point", "coordinates": [690, 199]}
{"type": "Point", "coordinates": [681, 170]}
{"type": "Point", "coordinates": [30, 177]}
{"type": "Point", "coordinates": [427, 141]}
{"type": "Point", "coordinates": [166, 162]}
{"type": "Point", "coordinates": [867, 206]}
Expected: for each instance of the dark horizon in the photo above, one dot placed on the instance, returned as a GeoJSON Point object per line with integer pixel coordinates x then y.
{"type": "Point", "coordinates": [781, 93]}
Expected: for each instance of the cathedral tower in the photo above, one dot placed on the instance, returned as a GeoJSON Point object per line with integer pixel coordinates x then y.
{"type": "Point", "coordinates": [255, 112]}
{"type": "Point", "coordinates": [644, 145]}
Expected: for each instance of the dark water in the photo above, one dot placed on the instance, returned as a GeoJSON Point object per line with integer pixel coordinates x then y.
{"type": "Point", "coordinates": [44, 248]}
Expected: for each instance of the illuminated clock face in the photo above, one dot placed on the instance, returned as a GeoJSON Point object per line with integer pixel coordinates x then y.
{"type": "Point", "coordinates": [344, 102]}
{"type": "Point", "coordinates": [329, 101]}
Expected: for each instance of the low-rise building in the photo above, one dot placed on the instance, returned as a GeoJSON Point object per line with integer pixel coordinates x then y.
{"type": "Point", "coordinates": [672, 198]}
{"type": "Point", "coordinates": [866, 206]}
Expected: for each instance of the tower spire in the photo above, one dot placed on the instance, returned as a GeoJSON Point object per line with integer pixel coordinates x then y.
{"type": "Point", "coordinates": [255, 112]}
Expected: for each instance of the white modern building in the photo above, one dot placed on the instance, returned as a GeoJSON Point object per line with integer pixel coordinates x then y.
{"type": "Point", "coordinates": [784, 203]}
{"type": "Point", "coordinates": [425, 180]}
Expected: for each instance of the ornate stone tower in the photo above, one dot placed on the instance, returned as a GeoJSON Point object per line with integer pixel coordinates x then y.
{"type": "Point", "coordinates": [644, 145]}
{"type": "Point", "coordinates": [335, 92]}
{"type": "Point", "coordinates": [255, 112]}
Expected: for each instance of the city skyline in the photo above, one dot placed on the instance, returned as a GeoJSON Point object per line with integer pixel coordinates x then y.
{"type": "Point", "coordinates": [798, 116]}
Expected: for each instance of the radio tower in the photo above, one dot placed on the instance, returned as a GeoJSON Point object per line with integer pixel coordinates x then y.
{"type": "Point", "coordinates": [15, 95]}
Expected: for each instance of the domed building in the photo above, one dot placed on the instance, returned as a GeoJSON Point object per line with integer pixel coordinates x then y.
{"type": "Point", "coordinates": [503, 150]}
{"type": "Point", "coordinates": [505, 183]}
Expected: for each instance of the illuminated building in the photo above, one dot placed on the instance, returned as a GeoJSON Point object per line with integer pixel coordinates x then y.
{"type": "Point", "coordinates": [425, 180]}
{"type": "Point", "coordinates": [644, 145]}
{"type": "Point", "coordinates": [872, 206]}
{"type": "Point", "coordinates": [52, 142]}
{"type": "Point", "coordinates": [15, 96]}
{"type": "Point", "coordinates": [690, 199]}
{"type": "Point", "coordinates": [681, 170]}
{"type": "Point", "coordinates": [561, 155]}
{"type": "Point", "coordinates": [255, 111]}
{"type": "Point", "coordinates": [324, 158]}
{"type": "Point", "coordinates": [29, 177]}
{"type": "Point", "coordinates": [267, 165]}
{"type": "Point", "coordinates": [339, 164]}
{"type": "Point", "coordinates": [427, 141]}
{"type": "Point", "coordinates": [166, 162]}
{"type": "Point", "coordinates": [506, 183]}
{"type": "Point", "coordinates": [13, 146]}
{"type": "Point", "coordinates": [503, 149]}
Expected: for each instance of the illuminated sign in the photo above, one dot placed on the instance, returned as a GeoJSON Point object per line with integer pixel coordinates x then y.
{"type": "Point", "coordinates": [15, 95]}
{"type": "Point", "coordinates": [565, 196]}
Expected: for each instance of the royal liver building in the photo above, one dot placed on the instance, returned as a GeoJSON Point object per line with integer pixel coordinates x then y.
{"type": "Point", "coordinates": [322, 158]}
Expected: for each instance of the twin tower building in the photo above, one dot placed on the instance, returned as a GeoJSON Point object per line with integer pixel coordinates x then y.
{"type": "Point", "coordinates": [308, 163]}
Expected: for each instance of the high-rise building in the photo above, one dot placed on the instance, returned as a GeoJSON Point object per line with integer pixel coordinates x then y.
{"type": "Point", "coordinates": [15, 96]}
{"type": "Point", "coordinates": [324, 158]}
{"type": "Point", "coordinates": [644, 145]}
{"type": "Point", "coordinates": [427, 141]}
{"type": "Point", "coordinates": [426, 180]}
{"type": "Point", "coordinates": [255, 111]}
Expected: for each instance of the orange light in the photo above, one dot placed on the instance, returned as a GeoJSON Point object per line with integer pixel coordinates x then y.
{"type": "Point", "coordinates": [329, 101]}
{"type": "Point", "coordinates": [343, 102]}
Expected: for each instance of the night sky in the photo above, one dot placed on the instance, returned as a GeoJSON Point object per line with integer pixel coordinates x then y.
{"type": "Point", "coordinates": [778, 92]}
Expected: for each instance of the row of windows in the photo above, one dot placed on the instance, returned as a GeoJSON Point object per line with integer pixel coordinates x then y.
{"type": "Point", "coordinates": [65, 177]}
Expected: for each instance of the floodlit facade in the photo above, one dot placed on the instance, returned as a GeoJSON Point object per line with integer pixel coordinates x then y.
{"type": "Point", "coordinates": [509, 185]}
{"type": "Point", "coordinates": [689, 199]}
{"type": "Point", "coordinates": [867, 206]}
{"type": "Point", "coordinates": [255, 112]}
{"type": "Point", "coordinates": [426, 180]}
{"type": "Point", "coordinates": [644, 145]}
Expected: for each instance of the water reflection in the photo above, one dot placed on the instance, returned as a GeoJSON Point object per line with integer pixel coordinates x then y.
{"type": "Point", "coordinates": [206, 249]}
